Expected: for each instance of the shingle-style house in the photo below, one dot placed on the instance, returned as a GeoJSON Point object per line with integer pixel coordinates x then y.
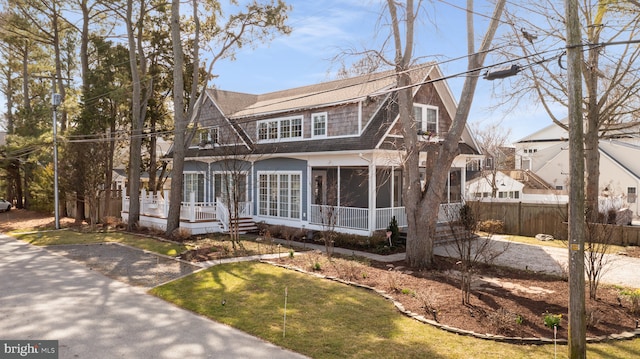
{"type": "Point", "coordinates": [328, 154]}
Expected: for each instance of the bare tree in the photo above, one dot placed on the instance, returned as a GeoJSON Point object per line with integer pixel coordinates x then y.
{"type": "Point", "coordinates": [422, 203]}
{"type": "Point", "coordinates": [493, 140]}
{"type": "Point", "coordinates": [609, 66]}
{"type": "Point", "coordinates": [467, 247]}
{"type": "Point", "coordinates": [598, 240]}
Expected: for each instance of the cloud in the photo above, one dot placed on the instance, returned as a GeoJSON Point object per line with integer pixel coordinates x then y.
{"type": "Point", "coordinates": [319, 26]}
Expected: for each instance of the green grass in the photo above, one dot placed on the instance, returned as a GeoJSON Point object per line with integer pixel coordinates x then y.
{"type": "Point", "coordinates": [331, 320]}
{"type": "Point", "coordinates": [47, 238]}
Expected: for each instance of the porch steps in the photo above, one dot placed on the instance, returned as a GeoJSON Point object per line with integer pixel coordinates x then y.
{"type": "Point", "coordinates": [246, 225]}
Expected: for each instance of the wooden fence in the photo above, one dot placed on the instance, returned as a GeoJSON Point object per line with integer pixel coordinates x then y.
{"type": "Point", "coordinates": [529, 219]}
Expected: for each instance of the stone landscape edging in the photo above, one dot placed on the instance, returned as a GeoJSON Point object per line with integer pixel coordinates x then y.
{"type": "Point", "coordinates": [454, 330]}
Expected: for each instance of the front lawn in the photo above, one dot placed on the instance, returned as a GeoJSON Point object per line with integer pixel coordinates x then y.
{"type": "Point", "coordinates": [325, 319]}
{"type": "Point", "coordinates": [47, 238]}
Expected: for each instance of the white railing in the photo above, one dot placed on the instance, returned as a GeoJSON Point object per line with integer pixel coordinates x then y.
{"type": "Point", "coordinates": [222, 212]}
{"type": "Point", "coordinates": [384, 216]}
{"type": "Point", "coordinates": [156, 205]}
{"type": "Point", "coordinates": [344, 217]}
{"type": "Point", "coordinates": [448, 211]}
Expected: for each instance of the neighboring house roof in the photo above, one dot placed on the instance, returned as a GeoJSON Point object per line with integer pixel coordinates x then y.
{"type": "Point", "coordinates": [552, 132]}
{"type": "Point", "coordinates": [482, 183]}
{"type": "Point", "coordinates": [623, 154]}
{"type": "Point", "coordinates": [529, 179]}
{"type": "Point", "coordinates": [545, 156]}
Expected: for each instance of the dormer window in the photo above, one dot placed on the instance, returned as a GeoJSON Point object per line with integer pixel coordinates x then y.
{"type": "Point", "coordinates": [426, 118]}
{"type": "Point", "coordinates": [319, 123]}
{"type": "Point", "coordinates": [282, 128]}
{"type": "Point", "coordinates": [205, 136]}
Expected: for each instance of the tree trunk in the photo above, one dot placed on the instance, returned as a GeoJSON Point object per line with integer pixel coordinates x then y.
{"type": "Point", "coordinates": [422, 205]}
{"type": "Point", "coordinates": [173, 219]}
{"type": "Point", "coordinates": [135, 153]}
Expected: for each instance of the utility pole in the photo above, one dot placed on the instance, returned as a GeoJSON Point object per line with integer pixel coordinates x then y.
{"type": "Point", "coordinates": [55, 102]}
{"type": "Point", "coordinates": [577, 324]}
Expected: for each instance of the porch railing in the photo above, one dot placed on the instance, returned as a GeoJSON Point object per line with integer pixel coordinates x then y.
{"type": "Point", "coordinates": [157, 205]}
{"type": "Point", "coordinates": [222, 212]}
{"type": "Point", "coordinates": [358, 218]}
{"type": "Point", "coordinates": [342, 217]}
{"type": "Point", "coordinates": [384, 216]}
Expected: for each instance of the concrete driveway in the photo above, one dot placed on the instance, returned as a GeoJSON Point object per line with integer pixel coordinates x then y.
{"type": "Point", "coordinates": [619, 269]}
{"type": "Point", "coordinates": [48, 297]}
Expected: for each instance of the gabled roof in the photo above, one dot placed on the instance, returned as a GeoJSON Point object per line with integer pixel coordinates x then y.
{"type": "Point", "coordinates": [235, 105]}
{"type": "Point", "coordinates": [552, 132]}
{"type": "Point", "coordinates": [623, 154]}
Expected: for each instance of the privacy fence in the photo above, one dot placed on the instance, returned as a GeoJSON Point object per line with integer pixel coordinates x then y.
{"type": "Point", "coordinates": [529, 219]}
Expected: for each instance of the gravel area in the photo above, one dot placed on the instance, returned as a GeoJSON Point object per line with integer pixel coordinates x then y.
{"type": "Point", "coordinates": [126, 264]}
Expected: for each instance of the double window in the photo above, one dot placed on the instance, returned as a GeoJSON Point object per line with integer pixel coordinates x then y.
{"type": "Point", "coordinates": [426, 118]}
{"type": "Point", "coordinates": [279, 195]}
{"type": "Point", "coordinates": [280, 129]}
{"type": "Point", "coordinates": [205, 136]}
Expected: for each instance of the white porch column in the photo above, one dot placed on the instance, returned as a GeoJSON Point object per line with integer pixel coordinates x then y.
{"type": "Point", "coordinates": [124, 198]}
{"type": "Point", "coordinates": [372, 196]}
{"type": "Point", "coordinates": [143, 201]}
{"type": "Point", "coordinates": [165, 204]}
{"type": "Point", "coordinates": [192, 207]}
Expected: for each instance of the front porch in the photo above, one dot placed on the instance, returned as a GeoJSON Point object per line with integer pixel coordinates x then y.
{"type": "Point", "coordinates": [196, 217]}
{"type": "Point", "coordinates": [213, 217]}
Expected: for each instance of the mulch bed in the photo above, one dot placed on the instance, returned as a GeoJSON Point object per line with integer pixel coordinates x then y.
{"type": "Point", "coordinates": [503, 302]}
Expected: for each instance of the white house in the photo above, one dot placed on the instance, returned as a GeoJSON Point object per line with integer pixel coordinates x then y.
{"type": "Point", "coordinates": [546, 153]}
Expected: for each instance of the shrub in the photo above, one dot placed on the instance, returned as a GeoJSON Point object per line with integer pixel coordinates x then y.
{"type": "Point", "coordinates": [502, 319]}
{"type": "Point", "coordinates": [395, 231]}
{"type": "Point", "coordinates": [634, 298]}
{"type": "Point", "coordinates": [491, 226]}
{"type": "Point", "coordinates": [466, 217]}
{"type": "Point", "coordinates": [181, 234]}
{"type": "Point", "coordinates": [552, 320]}
{"type": "Point", "coordinates": [407, 291]}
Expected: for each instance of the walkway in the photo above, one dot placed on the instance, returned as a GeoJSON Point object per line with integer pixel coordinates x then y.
{"type": "Point", "coordinates": [44, 296]}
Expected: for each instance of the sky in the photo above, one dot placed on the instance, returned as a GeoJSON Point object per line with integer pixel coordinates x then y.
{"type": "Point", "coordinates": [323, 29]}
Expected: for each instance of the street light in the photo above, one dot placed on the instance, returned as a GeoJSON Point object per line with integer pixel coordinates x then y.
{"type": "Point", "coordinates": [55, 102]}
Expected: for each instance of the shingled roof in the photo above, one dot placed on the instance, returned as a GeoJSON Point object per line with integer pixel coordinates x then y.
{"type": "Point", "coordinates": [237, 105]}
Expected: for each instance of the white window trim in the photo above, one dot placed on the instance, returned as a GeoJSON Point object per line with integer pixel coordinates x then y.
{"type": "Point", "coordinates": [205, 185]}
{"type": "Point", "coordinates": [279, 135]}
{"type": "Point", "coordinates": [259, 174]}
{"type": "Point", "coordinates": [313, 124]}
{"type": "Point", "coordinates": [423, 120]}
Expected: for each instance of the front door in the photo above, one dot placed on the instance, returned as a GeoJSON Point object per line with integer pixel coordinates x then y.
{"type": "Point", "coordinates": [230, 188]}
{"type": "Point", "coordinates": [319, 186]}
